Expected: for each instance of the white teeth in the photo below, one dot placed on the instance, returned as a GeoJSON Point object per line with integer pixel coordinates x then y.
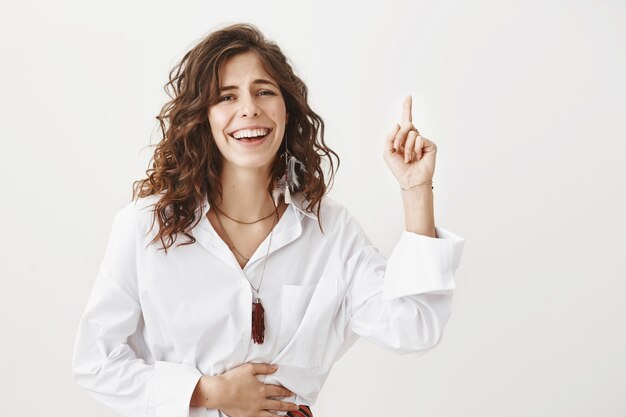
{"type": "Point", "coordinates": [250, 133]}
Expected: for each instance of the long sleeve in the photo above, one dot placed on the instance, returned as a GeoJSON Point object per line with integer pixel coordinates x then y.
{"type": "Point", "coordinates": [402, 303]}
{"type": "Point", "coordinates": [104, 363]}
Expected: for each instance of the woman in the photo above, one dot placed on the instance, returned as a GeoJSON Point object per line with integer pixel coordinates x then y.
{"type": "Point", "coordinates": [253, 282]}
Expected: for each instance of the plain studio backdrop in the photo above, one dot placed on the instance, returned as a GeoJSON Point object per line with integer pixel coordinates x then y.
{"type": "Point", "coordinates": [525, 101]}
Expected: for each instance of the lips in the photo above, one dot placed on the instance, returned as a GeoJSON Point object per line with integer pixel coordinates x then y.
{"type": "Point", "coordinates": [252, 142]}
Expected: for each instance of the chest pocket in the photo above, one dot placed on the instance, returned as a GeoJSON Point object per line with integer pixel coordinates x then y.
{"type": "Point", "coordinates": [307, 313]}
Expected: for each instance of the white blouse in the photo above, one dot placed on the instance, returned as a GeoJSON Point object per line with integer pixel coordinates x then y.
{"type": "Point", "coordinates": [155, 323]}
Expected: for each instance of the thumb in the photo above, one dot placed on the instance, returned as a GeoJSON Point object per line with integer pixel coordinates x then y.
{"type": "Point", "coordinates": [263, 368]}
{"type": "Point", "coordinates": [389, 140]}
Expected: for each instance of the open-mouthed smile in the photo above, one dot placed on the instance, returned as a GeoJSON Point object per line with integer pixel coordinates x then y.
{"type": "Point", "coordinates": [250, 137]}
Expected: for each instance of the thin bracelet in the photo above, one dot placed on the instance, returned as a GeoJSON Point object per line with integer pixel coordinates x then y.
{"type": "Point", "coordinates": [413, 186]}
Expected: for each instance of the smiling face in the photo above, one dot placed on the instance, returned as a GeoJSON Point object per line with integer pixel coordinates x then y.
{"type": "Point", "coordinates": [250, 105]}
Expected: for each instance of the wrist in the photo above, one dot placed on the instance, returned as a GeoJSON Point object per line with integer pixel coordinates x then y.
{"type": "Point", "coordinates": [208, 392]}
{"type": "Point", "coordinates": [420, 185]}
{"type": "Point", "coordinates": [419, 216]}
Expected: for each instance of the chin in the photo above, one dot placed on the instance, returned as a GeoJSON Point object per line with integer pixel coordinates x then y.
{"type": "Point", "coordinates": [253, 163]}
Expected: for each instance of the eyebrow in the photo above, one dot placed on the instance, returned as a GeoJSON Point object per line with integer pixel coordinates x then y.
{"type": "Point", "coordinates": [258, 81]}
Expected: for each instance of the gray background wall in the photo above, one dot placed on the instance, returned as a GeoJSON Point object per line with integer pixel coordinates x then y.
{"type": "Point", "coordinates": [524, 99]}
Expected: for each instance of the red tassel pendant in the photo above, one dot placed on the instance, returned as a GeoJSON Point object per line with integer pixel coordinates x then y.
{"type": "Point", "coordinates": [258, 322]}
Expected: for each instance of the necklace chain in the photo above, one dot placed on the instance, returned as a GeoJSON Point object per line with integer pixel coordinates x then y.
{"type": "Point", "coordinates": [239, 221]}
{"type": "Point", "coordinates": [232, 245]}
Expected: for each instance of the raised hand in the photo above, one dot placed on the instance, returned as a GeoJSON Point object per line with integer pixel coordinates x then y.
{"type": "Point", "coordinates": [410, 156]}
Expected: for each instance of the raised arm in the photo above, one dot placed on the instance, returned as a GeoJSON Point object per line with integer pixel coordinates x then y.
{"type": "Point", "coordinates": [403, 303]}
{"type": "Point", "coordinates": [411, 159]}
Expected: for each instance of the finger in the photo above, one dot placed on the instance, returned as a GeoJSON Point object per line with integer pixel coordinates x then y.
{"type": "Point", "coordinates": [280, 406]}
{"type": "Point", "coordinates": [419, 147]}
{"type": "Point", "coordinates": [262, 368]}
{"type": "Point", "coordinates": [390, 139]}
{"type": "Point", "coordinates": [401, 136]}
{"type": "Point", "coordinates": [406, 112]}
{"type": "Point", "coordinates": [277, 391]}
{"type": "Point", "coordinates": [410, 144]}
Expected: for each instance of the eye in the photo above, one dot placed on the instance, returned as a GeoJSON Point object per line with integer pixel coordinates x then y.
{"type": "Point", "coordinates": [222, 98]}
{"type": "Point", "coordinates": [269, 92]}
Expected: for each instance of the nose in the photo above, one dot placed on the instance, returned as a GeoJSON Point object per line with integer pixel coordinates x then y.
{"type": "Point", "coordinates": [248, 106]}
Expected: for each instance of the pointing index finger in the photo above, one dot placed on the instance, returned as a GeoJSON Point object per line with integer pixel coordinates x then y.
{"type": "Point", "coordinates": [406, 113]}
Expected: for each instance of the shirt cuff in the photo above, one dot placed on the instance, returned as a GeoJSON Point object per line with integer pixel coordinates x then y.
{"type": "Point", "coordinates": [423, 264]}
{"type": "Point", "coordinates": [174, 386]}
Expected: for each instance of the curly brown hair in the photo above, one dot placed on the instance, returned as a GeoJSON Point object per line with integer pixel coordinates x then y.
{"type": "Point", "coordinates": [186, 164]}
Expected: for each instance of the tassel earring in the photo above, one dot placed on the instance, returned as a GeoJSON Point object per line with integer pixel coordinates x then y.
{"type": "Point", "coordinates": [289, 181]}
{"type": "Point", "coordinates": [279, 189]}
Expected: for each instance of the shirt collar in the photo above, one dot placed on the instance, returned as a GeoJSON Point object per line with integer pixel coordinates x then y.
{"type": "Point", "coordinates": [288, 229]}
{"type": "Point", "coordinates": [298, 202]}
